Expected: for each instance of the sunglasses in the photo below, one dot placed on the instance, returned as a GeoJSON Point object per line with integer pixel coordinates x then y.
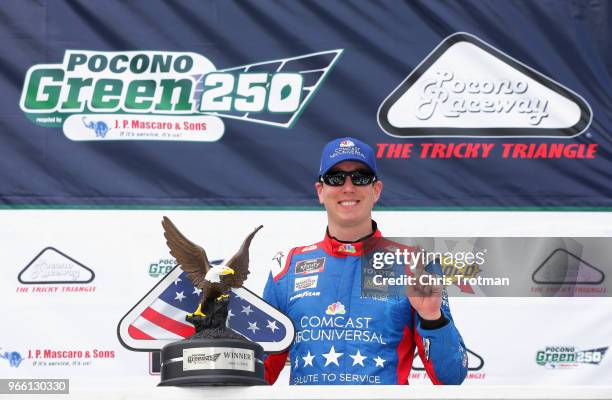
{"type": "Point", "coordinates": [358, 178]}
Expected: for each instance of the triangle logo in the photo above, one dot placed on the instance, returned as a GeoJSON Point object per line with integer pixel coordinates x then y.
{"type": "Point", "coordinates": [562, 267]}
{"type": "Point", "coordinates": [475, 362]}
{"type": "Point", "coordinates": [159, 317]}
{"type": "Point", "coordinates": [51, 266]}
{"type": "Point", "coordinates": [467, 88]}
{"type": "Point", "coordinates": [450, 244]}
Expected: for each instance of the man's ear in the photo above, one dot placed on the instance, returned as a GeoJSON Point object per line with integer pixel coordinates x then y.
{"type": "Point", "coordinates": [378, 186]}
{"type": "Point", "coordinates": [319, 189]}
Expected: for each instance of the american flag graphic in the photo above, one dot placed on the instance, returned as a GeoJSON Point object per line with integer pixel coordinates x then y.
{"type": "Point", "coordinates": [159, 318]}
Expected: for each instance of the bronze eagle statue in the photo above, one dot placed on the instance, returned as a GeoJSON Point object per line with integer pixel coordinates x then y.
{"type": "Point", "coordinates": [214, 281]}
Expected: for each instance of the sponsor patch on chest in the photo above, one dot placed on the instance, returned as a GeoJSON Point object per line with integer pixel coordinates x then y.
{"type": "Point", "coordinates": [307, 282]}
{"type": "Point", "coordinates": [310, 266]}
{"type": "Point", "coordinates": [302, 295]}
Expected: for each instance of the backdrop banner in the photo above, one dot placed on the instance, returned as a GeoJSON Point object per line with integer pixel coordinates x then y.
{"type": "Point", "coordinates": [228, 103]}
{"type": "Point", "coordinates": [75, 284]}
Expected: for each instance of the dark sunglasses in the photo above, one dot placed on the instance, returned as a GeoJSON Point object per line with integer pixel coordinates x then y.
{"type": "Point", "coordinates": [338, 178]}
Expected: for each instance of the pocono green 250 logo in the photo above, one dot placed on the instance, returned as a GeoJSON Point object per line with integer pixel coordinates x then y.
{"type": "Point", "coordinates": [563, 357]}
{"type": "Point", "coordinates": [160, 95]}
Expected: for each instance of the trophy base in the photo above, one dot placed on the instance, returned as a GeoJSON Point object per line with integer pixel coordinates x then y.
{"type": "Point", "coordinates": [212, 362]}
{"type": "Point", "coordinates": [214, 380]}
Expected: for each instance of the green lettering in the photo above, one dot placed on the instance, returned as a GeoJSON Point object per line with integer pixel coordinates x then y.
{"type": "Point", "coordinates": [138, 90]}
{"type": "Point", "coordinates": [106, 88]}
{"type": "Point", "coordinates": [49, 93]}
{"type": "Point", "coordinates": [139, 64]}
{"type": "Point", "coordinates": [184, 101]}
{"type": "Point", "coordinates": [161, 62]}
{"type": "Point", "coordinates": [115, 60]}
{"type": "Point", "coordinates": [75, 84]}
{"type": "Point", "coordinates": [183, 63]}
{"type": "Point", "coordinates": [97, 63]}
{"type": "Point", "coordinates": [76, 59]}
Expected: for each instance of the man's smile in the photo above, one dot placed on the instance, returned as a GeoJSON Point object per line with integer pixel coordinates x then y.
{"type": "Point", "coordinates": [348, 203]}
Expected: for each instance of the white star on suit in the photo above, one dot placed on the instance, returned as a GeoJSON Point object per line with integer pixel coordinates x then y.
{"type": "Point", "coordinates": [179, 296]}
{"type": "Point", "coordinates": [358, 358]}
{"type": "Point", "coordinates": [379, 361]}
{"type": "Point", "coordinates": [332, 357]}
{"type": "Point", "coordinates": [272, 326]}
{"type": "Point", "coordinates": [253, 327]}
{"type": "Point", "coordinates": [177, 280]}
{"type": "Point", "coordinates": [197, 291]}
{"type": "Point", "coordinates": [308, 359]}
{"type": "Point", "coordinates": [247, 310]}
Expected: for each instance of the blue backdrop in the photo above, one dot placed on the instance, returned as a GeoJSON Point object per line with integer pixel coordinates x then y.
{"type": "Point", "coordinates": [263, 165]}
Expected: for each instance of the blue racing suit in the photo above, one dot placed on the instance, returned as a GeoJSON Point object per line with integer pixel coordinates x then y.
{"type": "Point", "coordinates": [344, 338]}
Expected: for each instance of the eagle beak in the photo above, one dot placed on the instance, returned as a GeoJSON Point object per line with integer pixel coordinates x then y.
{"type": "Point", "coordinates": [227, 271]}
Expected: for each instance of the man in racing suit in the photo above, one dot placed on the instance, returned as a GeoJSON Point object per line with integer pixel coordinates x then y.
{"type": "Point", "coordinates": [343, 337]}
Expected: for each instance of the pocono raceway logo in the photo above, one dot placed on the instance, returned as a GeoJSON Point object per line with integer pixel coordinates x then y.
{"type": "Point", "coordinates": [56, 357]}
{"type": "Point", "coordinates": [467, 88]}
{"type": "Point", "coordinates": [565, 273]}
{"type": "Point", "coordinates": [565, 357]}
{"type": "Point", "coordinates": [162, 95]}
{"type": "Point", "coordinates": [52, 271]}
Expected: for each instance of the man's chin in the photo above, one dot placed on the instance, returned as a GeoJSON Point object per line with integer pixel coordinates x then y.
{"type": "Point", "coordinates": [349, 219]}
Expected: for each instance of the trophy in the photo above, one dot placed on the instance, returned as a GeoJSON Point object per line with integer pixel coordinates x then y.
{"type": "Point", "coordinates": [214, 354]}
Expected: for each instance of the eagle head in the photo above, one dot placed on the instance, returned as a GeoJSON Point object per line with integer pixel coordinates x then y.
{"type": "Point", "coordinates": [214, 274]}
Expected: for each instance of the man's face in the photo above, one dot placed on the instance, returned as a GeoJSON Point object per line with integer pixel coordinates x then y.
{"type": "Point", "coordinates": [349, 205]}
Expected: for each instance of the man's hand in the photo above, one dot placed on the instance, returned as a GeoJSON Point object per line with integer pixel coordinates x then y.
{"type": "Point", "coordinates": [426, 299]}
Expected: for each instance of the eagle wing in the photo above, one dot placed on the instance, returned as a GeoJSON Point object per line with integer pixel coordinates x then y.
{"type": "Point", "coordinates": [189, 256]}
{"type": "Point", "coordinates": [240, 263]}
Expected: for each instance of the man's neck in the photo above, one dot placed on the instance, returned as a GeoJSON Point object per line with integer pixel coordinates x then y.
{"type": "Point", "coordinates": [350, 234]}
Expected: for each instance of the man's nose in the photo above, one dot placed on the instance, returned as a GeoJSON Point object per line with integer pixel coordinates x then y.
{"type": "Point", "coordinates": [348, 185]}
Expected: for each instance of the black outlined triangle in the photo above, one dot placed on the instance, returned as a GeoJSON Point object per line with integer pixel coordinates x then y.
{"type": "Point", "coordinates": [450, 244]}
{"type": "Point", "coordinates": [581, 262]}
{"type": "Point", "coordinates": [152, 345]}
{"type": "Point", "coordinates": [475, 361]}
{"type": "Point", "coordinates": [22, 277]}
{"type": "Point", "coordinates": [581, 124]}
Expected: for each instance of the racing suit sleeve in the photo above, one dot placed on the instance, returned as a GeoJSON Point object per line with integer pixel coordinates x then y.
{"type": "Point", "coordinates": [274, 363]}
{"type": "Point", "coordinates": [441, 349]}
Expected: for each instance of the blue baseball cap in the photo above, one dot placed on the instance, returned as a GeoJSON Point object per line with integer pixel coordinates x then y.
{"type": "Point", "coordinates": [346, 149]}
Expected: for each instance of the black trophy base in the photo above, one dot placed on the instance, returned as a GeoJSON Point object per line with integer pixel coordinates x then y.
{"type": "Point", "coordinates": [212, 362]}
